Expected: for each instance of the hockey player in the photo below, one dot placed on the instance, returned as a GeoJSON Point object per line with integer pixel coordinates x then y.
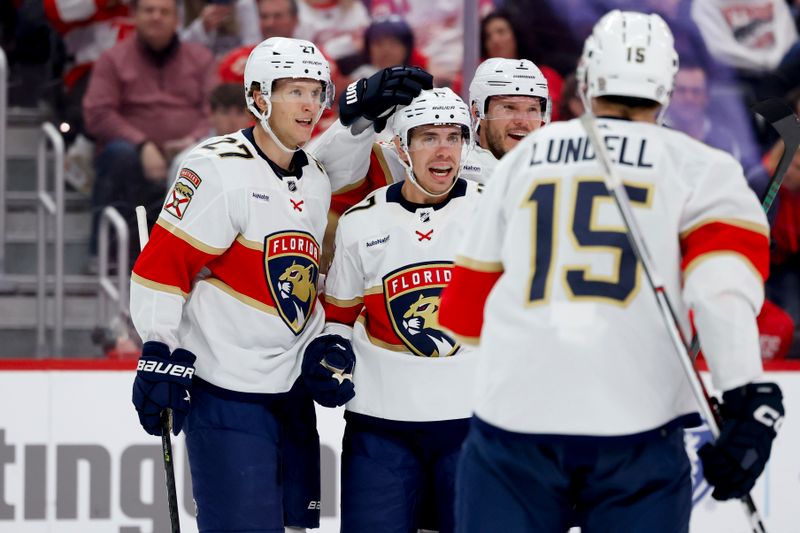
{"type": "Point", "coordinates": [410, 409]}
{"type": "Point", "coordinates": [227, 289]}
{"type": "Point", "coordinates": [580, 398]}
{"type": "Point", "coordinates": [508, 98]}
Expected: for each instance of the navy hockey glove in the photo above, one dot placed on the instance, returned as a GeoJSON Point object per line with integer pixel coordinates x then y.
{"type": "Point", "coordinates": [751, 417]}
{"type": "Point", "coordinates": [376, 97]}
{"type": "Point", "coordinates": [327, 370]}
{"type": "Point", "coordinates": [162, 382]}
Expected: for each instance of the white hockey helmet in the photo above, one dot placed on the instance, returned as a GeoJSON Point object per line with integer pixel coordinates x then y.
{"type": "Point", "coordinates": [628, 54]}
{"type": "Point", "coordinates": [508, 77]}
{"type": "Point", "coordinates": [279, 58]}
{"type": "Point", "coordinates": [434, 107]}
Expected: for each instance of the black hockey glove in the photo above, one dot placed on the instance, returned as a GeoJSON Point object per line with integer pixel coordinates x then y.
{"type": "Point", "coordinates": [376, 97]}
{"type": "Point", "coordinates": [751, 417]}
{"type": "Point", "coordinates": [162, 381]}
{"type": "Point", "coordinates": [327, 370]}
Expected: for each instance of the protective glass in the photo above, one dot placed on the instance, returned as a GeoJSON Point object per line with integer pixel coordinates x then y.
{"type": "Point", "coordinates": [432, 140]}
{"type": "Point", "coordinates": [515, 111]}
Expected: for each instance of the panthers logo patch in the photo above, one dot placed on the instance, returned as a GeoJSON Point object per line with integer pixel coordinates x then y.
{"type": "Point", "coordinates": [291, 264]}
{"type": "Point", "coordinates": [694, 438]}
{"type": "Point", "coordinates": [412, 302]}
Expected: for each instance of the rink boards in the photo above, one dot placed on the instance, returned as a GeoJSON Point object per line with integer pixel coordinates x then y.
{"type": "Point", "coordinates": [73, 458]}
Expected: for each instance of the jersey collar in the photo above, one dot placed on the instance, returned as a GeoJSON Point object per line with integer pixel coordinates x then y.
{"type": "Point", "coordinates": [299, 159]}
{"type": "Point", "coordinates": [394, 194]}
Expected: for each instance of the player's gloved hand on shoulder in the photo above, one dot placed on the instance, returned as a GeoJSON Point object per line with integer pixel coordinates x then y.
{"type": "Point", "coordinates": [327, 370]}
{"type": "Point", "coordinates": [751, 417]}
{"type": "Point", "coordinates": [162, 382]}
{"type": "Point", "coordinates": [376, 97]}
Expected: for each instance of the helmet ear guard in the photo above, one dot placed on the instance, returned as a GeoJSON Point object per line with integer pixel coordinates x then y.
{"type": "Point", "coordinates": [279, 58]}
{"type": "Point", "coordinates": [432, 108]}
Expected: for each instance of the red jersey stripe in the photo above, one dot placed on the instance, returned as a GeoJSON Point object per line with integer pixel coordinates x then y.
{"type": "Point", "coordinates": [463, 300]}
{"type": "Point", "coordinates": [171, 260]}
{"type": "Point", "coordinates": [241, 268]}
{"type": "Point", "coordinates": [341, 311]}
{"type": "Point", "coordinates": [377, 176]}
{"type": "Point", "coordinates": [378, 324]}
{"type": "Point", "coordinates": [717, 237]}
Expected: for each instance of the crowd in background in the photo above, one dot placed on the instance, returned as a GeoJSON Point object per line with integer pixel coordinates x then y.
{"type": "Point", "coordinates": [136, 83]}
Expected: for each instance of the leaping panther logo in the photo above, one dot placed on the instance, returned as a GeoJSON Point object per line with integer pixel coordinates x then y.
{"type": "Point", "coordinates": [422, 324]}
{"type": "Point", "coordinates": [291, 265]}
{"type": "Point", "coordinates": [412, 301]}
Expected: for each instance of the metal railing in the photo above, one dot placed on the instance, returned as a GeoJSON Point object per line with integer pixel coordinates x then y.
{"type": "Point", "coordinates": [50, 208]}
{"type": "Point", "coordinates": [108, 292]}
{"type": "Point", "coordinates": [3, 126]}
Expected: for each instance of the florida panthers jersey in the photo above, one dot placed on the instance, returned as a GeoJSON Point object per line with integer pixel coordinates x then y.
{"type": "Point", "coordinates": [357, 164]}
{"type": "Point", "coordinates": [253, 234]}
{"type": "Point", "coordinates": [571, 338]}
{"type": "Point", "coordinates": [391, 262]}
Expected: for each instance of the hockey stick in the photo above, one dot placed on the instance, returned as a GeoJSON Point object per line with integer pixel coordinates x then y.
{"type": "Point", "coordinates": [781, 117]}
{"type": "Point", "coordinates": [166, 414]}
{"type": "Point", "coordinates": [617, 191]}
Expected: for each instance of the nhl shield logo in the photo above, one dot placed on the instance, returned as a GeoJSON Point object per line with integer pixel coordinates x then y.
{"type": "Point", "coordinates": [694, 438]}
{"type": "Point", "coordinates": [291, 265]}
{"type": "Point", "coordinates": [412, 301]}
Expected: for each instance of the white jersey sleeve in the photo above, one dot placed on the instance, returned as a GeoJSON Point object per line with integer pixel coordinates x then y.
{"type": "Point", "coordinates": [196, 225]}
{"type": "Point", "coordinates": [345, 156]}
{"type": "Point", "coordinates": [723, 234]}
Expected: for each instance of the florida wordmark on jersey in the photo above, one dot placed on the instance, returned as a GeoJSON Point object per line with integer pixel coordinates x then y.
{"type": "Point", "coordinates": [391, 262]}
{"type": "Point", "coordinates": [230, 271]}
{"type": "Point", "coordinates": [571, 338]}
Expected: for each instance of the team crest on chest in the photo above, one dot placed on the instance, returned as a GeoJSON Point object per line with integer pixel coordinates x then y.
{"type": "Point", "coordinates": [412, 301]}
{"type": "Point", "coordinates": [291, 265]}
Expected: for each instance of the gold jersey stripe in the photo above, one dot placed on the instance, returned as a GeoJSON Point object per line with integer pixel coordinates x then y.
{"type": "Point", "coordinates": [160, 287]}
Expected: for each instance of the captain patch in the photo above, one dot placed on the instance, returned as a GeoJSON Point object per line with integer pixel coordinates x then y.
{"type": "Point", "coordinates": [190, 175]}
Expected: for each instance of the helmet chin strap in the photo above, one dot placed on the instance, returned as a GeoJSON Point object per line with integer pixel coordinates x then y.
{"type": "Point", "coordinates": [263, 119]}
{"type": "Point", "coordinates": [410, 174]}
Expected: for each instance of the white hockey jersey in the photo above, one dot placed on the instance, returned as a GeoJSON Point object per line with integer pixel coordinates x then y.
{"type": "Point", "coordinates": [391, 262]}
{"type": "Point", "coordinates": [255, 234]}
{"type": "Point", "coordinates": [571, 339]}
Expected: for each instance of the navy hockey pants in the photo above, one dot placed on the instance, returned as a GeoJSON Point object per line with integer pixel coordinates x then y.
{"type": "Point", "coordinates": [402, 479]}
{"type": "Point", "coordinates": [523, 483]}
{"type": "Point", "coordinates": [254, 464]}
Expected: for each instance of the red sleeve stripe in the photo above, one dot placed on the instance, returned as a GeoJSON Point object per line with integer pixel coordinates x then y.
{"type": "Point", "coordinates": [378, 175]}
{"type": "Point", "coordinates": [718, 237]}
{"type": "Point", "coordinates": [241, 268]}
{"type": "Point", "coordinates": [461, 309]}
{"type": "Point", "coordinates": [170, 261]}
{"type": "Point", "coordinates": [342, 311]}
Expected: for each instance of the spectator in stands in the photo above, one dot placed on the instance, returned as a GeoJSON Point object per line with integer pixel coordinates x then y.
{"type": "Point", "coordinates": [222, 25]}
{"type": "Point", "coordinates": [388, 42]}
{"type": "Point", "coordinates": [783, 285]}
{"type": "Point", "coordinates": [336, 26]}
{"type": "Point", "coordinates": [687, 111]}
{"type": "Point", "coordinates": [570, 106]}
{"type": "Point", "coordinates": [228, 115]}
{"type": "Point", "coordinates": [276, 18]}
{"type": "Point", "coordinates": [88, 28]}
{"type": "Point", "coordinates": [500, 38]}
{"type": "Point", "coordinates": [146, 102]}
